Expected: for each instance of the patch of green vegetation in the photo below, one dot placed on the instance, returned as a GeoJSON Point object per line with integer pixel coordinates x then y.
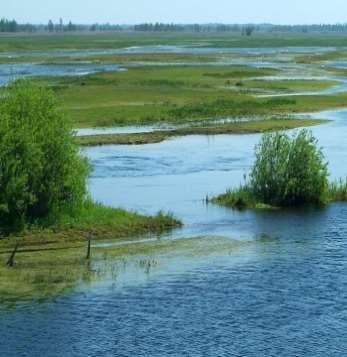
{"type": "Point", "coordinates": [240, 198]}
{"type": "Point", "coordinates": [43, 175]}
{"type": "Point", "coordinates": [338, 190]}
{"type": "Point", "coordinates": [69, 226]}
{"type": "Point", "coordinates": [128, 39]}
{"type": "Point", "coordinates": [288, 85]}
{"type": "Point", "coordinates": [335, 71]}
{"type": "Point", "coordinates": [240, 127]}
{"type": "Point", "coordinates": [106, 222]}
{"type": "Point", "coordinates": [321, 57]}
{"type": "Point", "coordinates": [288, 172]}
{"type": "Point", "coordinates": [123, 59]}
{"type": "Point", "coordinates": [138, 58]}
{"type": "Point", "coordinates": [180, 94]}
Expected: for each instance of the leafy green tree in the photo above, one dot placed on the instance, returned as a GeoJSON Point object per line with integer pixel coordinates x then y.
{"type": "Point", "coordinates": [41, 168]}
{"type": "Point", "coordinates": [289, 171]}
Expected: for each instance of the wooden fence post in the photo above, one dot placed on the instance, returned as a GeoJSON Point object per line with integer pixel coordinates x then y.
{"type": "Point", "coordinates": [10, 262]}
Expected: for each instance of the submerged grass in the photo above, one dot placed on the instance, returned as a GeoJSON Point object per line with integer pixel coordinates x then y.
{"type": "Point", "coordinates": [45, 273]}
{"type": "Point", "coordinates": [53, 259]}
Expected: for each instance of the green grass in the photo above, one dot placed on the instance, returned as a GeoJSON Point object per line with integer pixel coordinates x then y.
{"type": "Point", "coordinates": [124, 59]}
{"type": "Point", "coordinates": [183, 94]}
{"type": "Point", "coordinates": [338, 190]}
{"type": "Point", "coordinates": [288, 85]}
{"type": "Point", "coordinates": [321, 57]}
{"type": "Point", "coordinates": [72, 225]}
{"type": "Point", "coordinates": [241, 127]}
{"type": "Point", "coordinates": [125, 39]}
{"type": "Point", "coordinates": [241, 198]}
{"type": "Point", "coordinates": [52, 254]}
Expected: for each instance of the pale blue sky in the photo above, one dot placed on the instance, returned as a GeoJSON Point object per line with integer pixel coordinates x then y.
{"type": "Point", "coordinates": [179, 11]}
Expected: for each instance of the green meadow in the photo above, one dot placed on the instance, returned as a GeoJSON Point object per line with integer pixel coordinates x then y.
{"type": "Point", "coordinates": [19, 42]}
{"type": "Point", "coordinates": [184, 94]}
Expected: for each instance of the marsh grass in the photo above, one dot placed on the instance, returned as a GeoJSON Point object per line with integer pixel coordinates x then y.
{"type": "Point", "coordinates": [51, 258]}
{"type": "Point", "coordinates": [41, 274]}
{"type": "Point", "coordinates": [338, 190]}
{"type": "Point", "coordinates": [10, 42]}
{"type": "Point", "coordinates": [182, 94]}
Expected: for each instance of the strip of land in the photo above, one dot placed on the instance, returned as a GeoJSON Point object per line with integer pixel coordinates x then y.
{"type": "Point", "coordinates": [242, 127]}
{"type": "Point", "coordinates": [39, 41]}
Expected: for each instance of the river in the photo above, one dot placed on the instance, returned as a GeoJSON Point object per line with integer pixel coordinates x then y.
{"type": "Point", "coordinates": [284, 296]}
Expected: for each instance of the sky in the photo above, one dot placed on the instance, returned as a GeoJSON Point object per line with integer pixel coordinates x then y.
{"type": "Point", "coordinates": [177, 11]}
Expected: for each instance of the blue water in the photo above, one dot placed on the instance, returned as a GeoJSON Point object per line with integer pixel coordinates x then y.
{"type": "Point", "coordinates": [284, 296]}
{"type": "Point", "coordinates": [13, 71]}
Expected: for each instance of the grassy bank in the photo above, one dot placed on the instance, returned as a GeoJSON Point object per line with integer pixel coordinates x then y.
{"type": "Point", "coordinates": [74, 225]}
{"type": "Point", "coordinates": [51, 260]}
{"type": "Point", "coordinates": [241, 127]}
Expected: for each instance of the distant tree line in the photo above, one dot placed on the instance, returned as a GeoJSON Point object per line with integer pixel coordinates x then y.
{"type": "Point", "coordinates": [244, 29]}
{"type": "Point", "coordinates": [13, 26]}
{"type": "Point", "coordinates": [162, 27]}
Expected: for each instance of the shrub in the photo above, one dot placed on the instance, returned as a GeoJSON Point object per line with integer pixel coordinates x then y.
{"type": "Point", "coordinates": [289, 171]}
{"type": "Point", "coordinates": [40, 165]}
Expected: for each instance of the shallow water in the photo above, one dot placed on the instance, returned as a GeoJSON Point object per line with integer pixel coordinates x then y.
{"type": "Point", "coordinates": [165, 49]}
{"type": "Point", "coordinates": [177, 174]}
{"type": "Point", "coordinates": [10, 72]}
{"type": "Point", "coordinates": [284, 296]}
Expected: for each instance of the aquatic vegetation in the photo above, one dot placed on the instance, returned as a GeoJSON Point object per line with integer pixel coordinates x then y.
{"type": "Point", "coordinates": [43, 271]}
{"type": "Point", "coordinates": [338, 190]}
{"type": "Point", "coordinates": [288, 171]}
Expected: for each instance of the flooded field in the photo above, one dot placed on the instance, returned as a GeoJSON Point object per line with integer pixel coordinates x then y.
{"type": "Point", "coordinates": [280, 290]}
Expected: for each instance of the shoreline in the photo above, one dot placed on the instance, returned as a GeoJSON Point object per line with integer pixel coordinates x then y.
{"type": "Point", "coordinates": [152, 137]}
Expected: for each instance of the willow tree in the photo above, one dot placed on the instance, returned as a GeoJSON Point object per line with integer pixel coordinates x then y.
{"type": "Point", "coordinates": [41, 168]}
